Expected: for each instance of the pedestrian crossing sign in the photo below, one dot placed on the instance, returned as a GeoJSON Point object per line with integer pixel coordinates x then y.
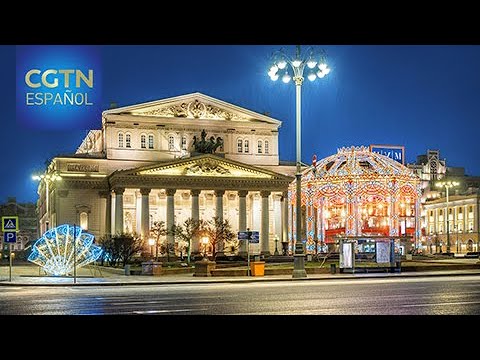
{"type": "Point", "coordinates": [9, 223]}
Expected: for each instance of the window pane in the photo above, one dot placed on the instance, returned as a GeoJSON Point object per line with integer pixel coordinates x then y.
{"type": "Point", "coordinates": [247, 149]}
{"type": "Point", "coordinates": [266, 147]}
{"type": "Point", "coordinates": [150, 141]}
{"type": "Point", "coordinates": [239, 145]}
{"type": "Point", "coordinates": [142, 142]}
{"type": "Point", "coordinates": [260, 146]}
{"type": "Point", "coordinates": [127, 141]}
{"type": "Point", "coordinates": [120, 140]}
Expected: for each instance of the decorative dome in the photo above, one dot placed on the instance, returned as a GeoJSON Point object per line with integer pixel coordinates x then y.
{"type": "Point", "coordinates": [357, 161]}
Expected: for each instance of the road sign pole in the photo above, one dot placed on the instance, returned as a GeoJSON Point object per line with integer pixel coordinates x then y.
{"type": "Point", "coordinates": [10, 260]}
{"type": "Point", "coordinates": [248, 257]}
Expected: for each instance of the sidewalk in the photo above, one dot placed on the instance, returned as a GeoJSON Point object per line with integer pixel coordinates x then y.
{"type": "Point", "coordinates": [122, 280]}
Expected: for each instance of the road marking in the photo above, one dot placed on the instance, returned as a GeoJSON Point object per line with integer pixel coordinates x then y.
{"type": "Point", "coordinates": [136, 303]}
{"type": "Point", "coordinates": [443, 304]}
{"type": "Point", "coordinates": [165, 311]}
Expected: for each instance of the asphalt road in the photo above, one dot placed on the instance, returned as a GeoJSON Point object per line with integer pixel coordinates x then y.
{"type": "Point", "coordinates": [427, 295]}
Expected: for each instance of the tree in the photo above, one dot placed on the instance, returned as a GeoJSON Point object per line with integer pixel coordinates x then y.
{"type": "Point", "coordinates": [188, 232]}
{"type": "Point", "coordinates": [219, 233]}
{"type": "Point", "coordinates": [120, 248]}
{"type": "Point", "coordinates": [158, 230]}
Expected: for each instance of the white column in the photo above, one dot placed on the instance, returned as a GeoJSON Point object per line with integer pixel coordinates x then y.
{"type": "Point", "coordinates": [195, 216]}
{"type": "Point", "coordinates": [138, 212]}
{"type": "Point", "coordinates": [170, 215]}
{"type": "Point", "coordinates": [219, 203]}
{"type": "Point", "coordinates": [145, 214]}
{"type": "Point", "coordinates": [119, 210]}
{"type": "Point", "coordinates": [242, 219]}
{"type": "Point", "coordinates": [219, 213]}
{"type": "Point", "coordinates": [264, 231]}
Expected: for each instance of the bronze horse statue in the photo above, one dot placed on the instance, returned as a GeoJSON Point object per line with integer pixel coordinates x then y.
{"type": "Point", "coordinates": [207, 147]}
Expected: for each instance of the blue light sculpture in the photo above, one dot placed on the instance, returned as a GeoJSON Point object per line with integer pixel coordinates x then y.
{"type": "Point", "coordinates": [54, 250]}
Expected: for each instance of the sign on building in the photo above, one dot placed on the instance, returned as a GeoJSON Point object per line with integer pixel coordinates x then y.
{"type": "Point", "coordinates": [394, 152]}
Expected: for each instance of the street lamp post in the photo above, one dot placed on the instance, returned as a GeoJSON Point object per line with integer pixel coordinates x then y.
{"type": "Point", "coordinates": [151, 242]}
{"type": "Point", "coordinates": [447, 185]}
{"type": "Point", "coordinates": [282, 63]}
{"type": "Point", "coordinates": [205, 241]}
{"type": "Point", "coordinates": [47, 179]}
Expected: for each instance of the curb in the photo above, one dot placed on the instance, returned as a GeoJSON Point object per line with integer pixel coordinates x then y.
{"type": "Point", "coordinates": [233, 281]}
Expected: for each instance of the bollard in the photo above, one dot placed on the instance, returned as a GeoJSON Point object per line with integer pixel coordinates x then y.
{"type": "Point", "coordinates": [333, 269]}
{"type": "Point", "coordinates": [127, 270]}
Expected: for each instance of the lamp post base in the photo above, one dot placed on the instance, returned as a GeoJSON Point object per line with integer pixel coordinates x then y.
{"type": "Point", "coordinates": [299, 266]}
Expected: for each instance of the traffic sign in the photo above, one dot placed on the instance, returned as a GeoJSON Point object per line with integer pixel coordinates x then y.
{"type": "Point", "coordinates": [9, 223]}
{"type": "Point", "coordinates": [242, 235]}
{"type": "Point", "coordinates": [254, 237]}
{"type": "Point", "coordinates": [10, 237]}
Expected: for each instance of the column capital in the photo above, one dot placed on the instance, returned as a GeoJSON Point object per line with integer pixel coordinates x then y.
{"type": "Point", "coordinates": [104, 193]}
{"type": "Point", "coordinates": [219, 192]}
{"type": "Point", "coordinates": [265, 193]}
{"type": "Point", "coordinates": [145, 191]}
{"type": "Point", "coordinates": [195, 192]}
{"type": "Point", "coordinates": [170, 192]}
{"type": "Point", "coordinates": [242, 193]}
{"type": "Point", "coordinates": [119, 190]}
{"type": "Point", "coordinates": [285, 194]}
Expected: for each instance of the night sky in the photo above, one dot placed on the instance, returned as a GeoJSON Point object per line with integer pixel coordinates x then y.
{"type": "Point", "coordinates": [422, 97]}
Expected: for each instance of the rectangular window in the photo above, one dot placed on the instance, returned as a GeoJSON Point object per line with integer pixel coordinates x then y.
{"type": "Point", "coordinates": [184, 143]}
{"type": "Point", "coordinates": [150, 141]}
{"type": "Point", "coordinates": [128, 139]}
{"type": "Point", "coordinates": [260, 146]}
{"type": "Point", "coordinates": [143, 144]}
{"type": "Point", "coordinates": [120, 140]}
{"type": "Point", "coordinates": [171, 143]}
{"type": "Point", "coordinates": [246, 147]}
{"type": "Point", "coordinates": [239, 145]}
{"type": "Point", "coordinates": [266, 147]}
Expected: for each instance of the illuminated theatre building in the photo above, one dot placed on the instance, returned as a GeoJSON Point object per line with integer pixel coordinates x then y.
{"type": "Point", "coordinates": [357, 193]}
{"type": "Point", "coordinates": [142, 167]}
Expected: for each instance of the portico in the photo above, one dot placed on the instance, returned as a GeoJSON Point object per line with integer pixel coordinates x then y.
{"type": "Point", "coordinates": [200, 187]}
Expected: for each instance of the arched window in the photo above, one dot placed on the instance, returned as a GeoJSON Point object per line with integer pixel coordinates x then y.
{"type": "Point", "coordinates": [120, 140]}
{"type": "Point", "coordinates": [84, 220]}
{"type": "Point", "coordinates": [266, 147]}
{"type": "Point", "coordinates": [184, 142]}
{"type": "Point", "coordinates": [171, 143]}
{"type": "Point", "coordinates": [128, 141]}
{"type": "Point", "coordinates": [143, 141]}
{"type": "Point", "coordinates": [260, 146]}
{"type": "Point", "coordinates": [150, 141]}
{"type": "Point", "coordinates": [246, 146]}
{"type": "Point", "coordinates": [239, 145]}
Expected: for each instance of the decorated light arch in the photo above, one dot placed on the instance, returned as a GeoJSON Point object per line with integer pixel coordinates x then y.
{"type": "Point", "coordinates": [54, 250]}
{"type": "Point", "coordinates": [356, 192]}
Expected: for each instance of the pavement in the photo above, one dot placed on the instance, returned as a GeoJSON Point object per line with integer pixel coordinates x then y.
{"type": "Point", "coordinates": [123, 280]}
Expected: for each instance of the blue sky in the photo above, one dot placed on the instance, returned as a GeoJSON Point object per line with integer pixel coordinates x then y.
{"type": "Point", "coordinates": [422, 97]}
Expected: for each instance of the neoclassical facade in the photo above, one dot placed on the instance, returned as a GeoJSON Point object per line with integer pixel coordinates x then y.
{"type": "Point", "coordinates": [142, 167]}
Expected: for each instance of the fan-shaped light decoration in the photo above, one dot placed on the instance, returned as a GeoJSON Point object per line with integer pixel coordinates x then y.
{"type": "Point", "coordinates": [54, 250]}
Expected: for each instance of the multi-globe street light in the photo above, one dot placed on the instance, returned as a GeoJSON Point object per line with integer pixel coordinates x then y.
{"type": "Point", "coordinates": [47, 179]}
{"type": "Point", "coordinates": [447, 185]}
{"type": "Point", "coordinates": [282, 65]}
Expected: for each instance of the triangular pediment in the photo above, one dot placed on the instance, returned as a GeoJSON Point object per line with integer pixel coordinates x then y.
{"type": "Point", "coordinates": [205, 166]}
{"type": "Point", "coordinates": [194, 106]}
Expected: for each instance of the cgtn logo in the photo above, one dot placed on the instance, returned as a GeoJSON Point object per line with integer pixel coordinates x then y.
{"type": "Point", "coordinates": [394, 152]}
{"type": "Point", "coordinates": [67, 97]}
{"type": "Point", "coordinates": [58, 87]}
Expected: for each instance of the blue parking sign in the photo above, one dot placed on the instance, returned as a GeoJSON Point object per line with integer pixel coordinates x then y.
{"type": "Point", "coordinates": [10, 237]}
